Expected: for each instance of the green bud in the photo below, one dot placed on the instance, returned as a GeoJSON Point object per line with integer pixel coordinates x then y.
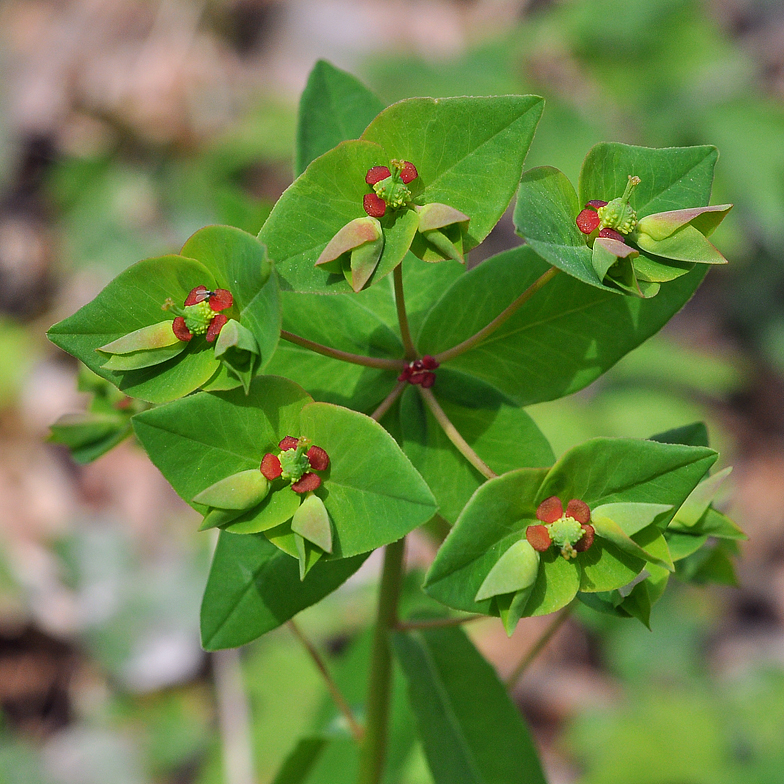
{"type": "Point", "coordinates": [618, 213]}
{"type": "Point", "coordinates": [294, 463]}
{"type": "Point", "coordinates": [395, 193]}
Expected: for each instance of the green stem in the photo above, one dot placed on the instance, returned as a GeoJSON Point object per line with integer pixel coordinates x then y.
{"type": "Point", "coordinates": [389, 401]}
{"type": "Point", "coordinates": [337, 695]}
{"type": "Point", "coordinates": [539, 645]}
{"type": "Point", "coordinates": [345, 356]}
{"type": "Point", "coordinates": [402, 317]}
{"type": "Point", "coordinates": [374, 745]}
{"type": "Point", "coordinates": [505, 314]}
{"type": "Point", "coordinates": [454, 436]}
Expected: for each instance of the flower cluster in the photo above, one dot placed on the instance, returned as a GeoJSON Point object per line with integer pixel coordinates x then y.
{"type": "Point", "coordinates": [389, 187]}
{"type": "Point", "coordinates": [297, 460]}
{"type": "Point", "coordinates": [570, 531]}
{"type": "Point", "coordinates": [420, 372]}
{"type": "Point", "coordinates": [200, 314]}
{"type": "Point", "coordinates": [637, 255]}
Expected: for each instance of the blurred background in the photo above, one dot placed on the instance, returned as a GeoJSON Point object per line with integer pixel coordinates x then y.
{"type": "Point", "coordinates": [126, 125]}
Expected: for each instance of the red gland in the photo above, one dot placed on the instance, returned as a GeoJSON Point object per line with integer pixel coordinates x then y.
{"type": "Point", "coordinates": [308, 483]}
{"type": "Point", "coordinates": [612, 234]}
{"type": "Point", "coordinates": [550, 510]}
{"type": "Point", "coordinates": [429, 363]}
{"type": "Point", "coordinates": [216, 325]}
{"type": "Point", "coordinates": [596, 203]}
{"type": "Point", "coordinates": [581, 545]}
{"type": "Point", "coordinates": [220, 299]}
{"type": "Point", "coordinates": [579, 511]}
{"type": "Point", "coordinates": [588, 221]}
{"type": "Point", "coordinates": [376, 174]}
{"type": "Point", "coordinates": [318, 458]}
{"type": "Point", "coordinates": [197, 295]}
{"type": "Point", "coordinates": [289, 442]}
{"type": "Point", "coordinates": [373, 205]}
{"type": "Point", "coordinates": [538, 537]}
{"type": "Point", "coordinates": [270, 467]}
{"type": "Point", "coordinates": [180, 330]}
{"type": "Point", "coordinates": [408, 172]}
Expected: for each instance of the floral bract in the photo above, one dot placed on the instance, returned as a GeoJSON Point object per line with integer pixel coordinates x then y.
{"type": "Point", "coordinates": [668, 239]}
{"type": "Point", "coordinates": [356, 250]}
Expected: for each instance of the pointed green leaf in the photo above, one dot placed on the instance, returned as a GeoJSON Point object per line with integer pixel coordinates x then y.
{"type": "Point", "coordinates": [238, 350]}
{"type": "Point", "coordinates": [277, 508]}
{"type": "Point", "coordinates": [130, 302]}
{"type": "Point", "coordinates": [514, 571]}
{"type": "Point", "coordinates": [714, 523]}
{"type": "Point", "coordinates": [608, 529]}
{"type": "Point", "coordinates": [203, 438]}
{"type": "Point", "coordinates": [631, 517]}
{"type": "Point", "coordinates": [493, 520]}
{"type": "Point", "coordinates": [565, 336]}
{"type": "Point", "coordinates": [511, 608]}
{"type": "Point", "coordinates": [307, 555]}
{"type": "Point", "coordinates": [687, 244]}
{"type": "Point", "coordinates": [695, 506]}
{"type": "Point", "coordinates": [334, 107]}
{"type": "Point", "coordinates": [469, 152]}
{"type": "Point", "coordinates": [311, 522]}
{"type": "Point", "coordinates": [89, 435]}
{"type": "Point", "coordinates": [471, 731]}
{"type": "Point", "coordinates": [253, 588]}
{"type": "Point", "coordinates": [301, 760]}
{"type": "Point", "coordinates": [373, 494]}
{"type": "Point", "coordinates": [545, 214]}
{"type": "Point", "coordinates": [240, 264]}
{"type": "Point", "coordinates": [154, 336]}
{"type": "Point", "coordinates": [238, 491]}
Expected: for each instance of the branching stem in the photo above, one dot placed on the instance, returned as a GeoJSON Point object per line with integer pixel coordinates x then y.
{"type": "Point", "coordinates": [337, 695]}
{"type": "Point", "coordinates": [389, 401]}
{"type": "Point", "coordinates": [345, 356]}
{"type": "Point", "coordinates": [402, 316]}
{"type": "Point", "coordinates": [454, 436]}
{"type": "Point", "coordinates": [539, 646]}
{"type": "Point", "coordinates": [505, 314]}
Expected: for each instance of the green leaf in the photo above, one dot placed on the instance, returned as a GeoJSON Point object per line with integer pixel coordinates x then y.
{"type": "Point", "coordinates": [238, 491]}
{"type": "Point", "coordinates": [373, 494]}
{"type": "Point", "coordinates": [471, 731]}
{"type": "Point", "coordinates": [514, 571]}
{"type": "Point", "coordinates": [672, 178]}
{"type": "Point", "coordinates": [329, 193]}
{"type": "Point", "coordinates": [203, 438]}
{"type": "Point", "coordinates": [610, 470]}
{"type": "Point", "coordinates": [694, 434]}
{"type": "Point", "coordinates": [343, 323]}
{"type": "Point", "coordinates": [545, 214]}
{"type": "Point", "coordinates": [469, 152]}
{"type": "Point", "coordinates": [334, 107]}
{"type": "Point", "coordinates": [241, 265]}
{"type": "Point", "coordinates": [90, 435]}
{"type": "Point", "coordinates": [311, 522]}
{"type": "Point", "coordinates": [503, 435]}
{"type": "Point", "coordinates": [300, 762]}
{"type": "Point", "coordinates": [253, 588]}
{"type": "Point", "coordinates": [695, 506]}
{"type": "Point", "coordinates": [558, 342]}
{"type": "Point", "coordinates": [493, 520]}
{"type": "Point", "coordinates": [131, 301]}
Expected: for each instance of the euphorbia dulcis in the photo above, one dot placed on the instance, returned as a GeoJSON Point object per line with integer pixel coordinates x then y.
{"type": "Point", "coordinates": [637, 255]}
{"type": "Point", "coordinates": [356, 249]}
